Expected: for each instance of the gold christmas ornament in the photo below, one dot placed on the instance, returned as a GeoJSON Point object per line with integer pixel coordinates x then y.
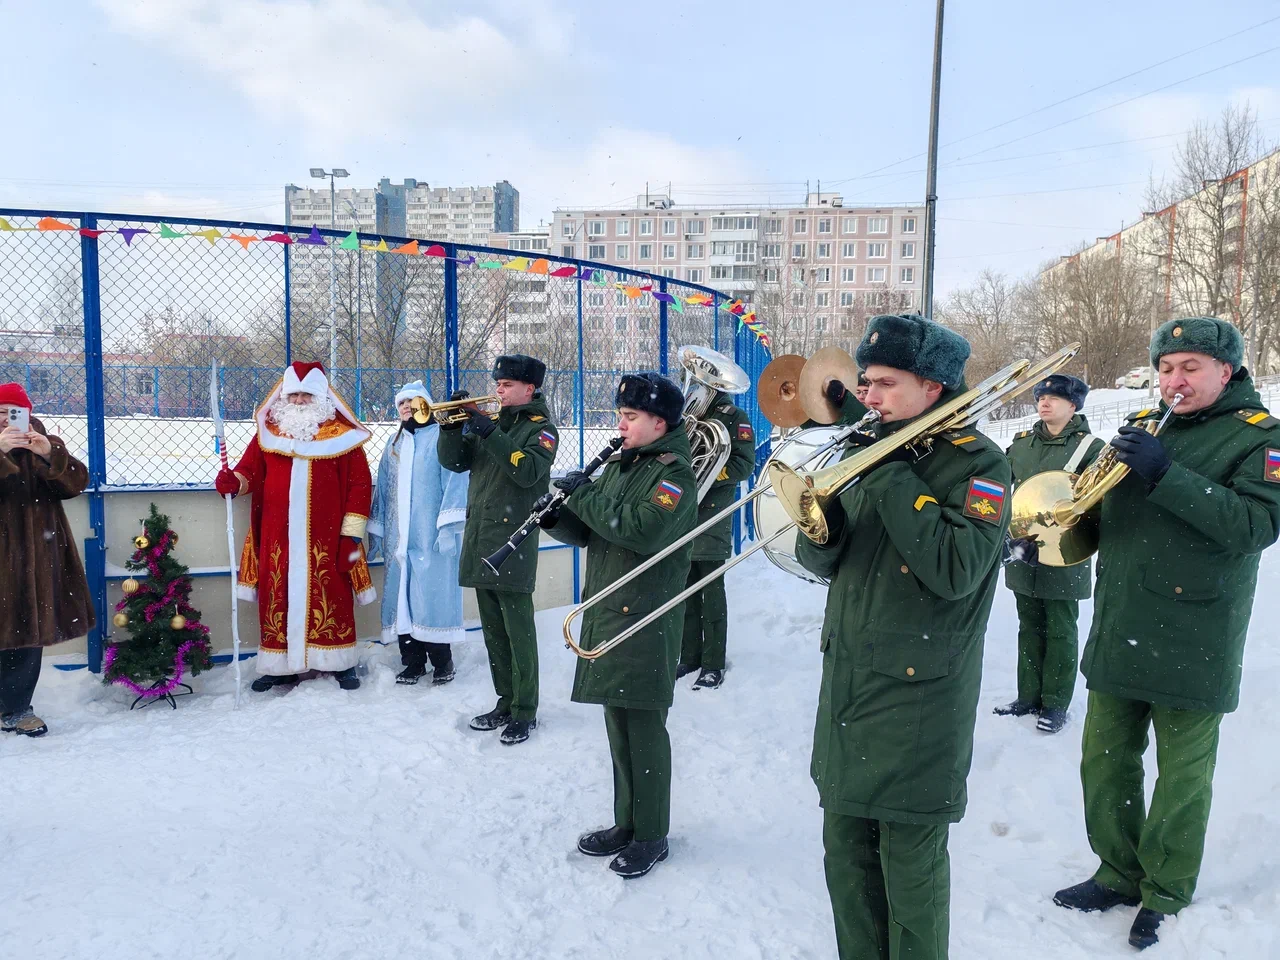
{"type": "Point", "coordinates": [141, 541]}
{"type": "Point", "coordinates": [130, 587]}
{"type": "Point", "coordinates": [173, 540]}
{"type": "Point", "coordinates": [179, 622]}
{"type": "Point", "coordinates": [120, 619]}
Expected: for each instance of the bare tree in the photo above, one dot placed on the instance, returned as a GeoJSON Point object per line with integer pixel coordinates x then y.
{"type": "Point", "coordinates": [990, 315]}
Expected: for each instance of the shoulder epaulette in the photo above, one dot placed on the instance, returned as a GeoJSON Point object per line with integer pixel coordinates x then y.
{"type": "Point", "coordinates": [965, 440]}
{"type": "Point", "coordinates": [615, 458]}
{"type": "Point", "coordinates": [1142, 414]}
{"type": "Point", "coordinates": [536, 417]}
{"type": "Point", "coordinates": [667, 459]}
{"type": "Point", "coordinates": [1023, 435]}
{"type": "Point", "coordinates": [1257, 418]}
{"type": "Point", "coordinates": [725, 408]}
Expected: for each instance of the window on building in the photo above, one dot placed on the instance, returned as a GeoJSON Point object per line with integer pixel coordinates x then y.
{"type": "Point", "coordinates": [908, 224]}
{"type": "Point", "coordinates": [822, 299]}
{"type": "Point", "coordinates": [595, 228]}
{"type": "Point", "coordinates": [822, 274]}
{"type": "Point", "coordinates": [907, 275]}
{"type": "Point", "coordinates": [744, 251]}
{"type": "Point", "coordinates": [877, 251]}
{"type": "Point", "coordinates": [848, 274]}
{"type": "Point", "coordinates": [797, 298]}
{"type": "Point", "coordinates": [824, 251]}
{"type": "Point", "coordinates": [646, 251]}
{"type": "Point", "coordinates": [669, 228]}
{"type": "Point", "coordinates": [668, 251]}
{"type": "Point", "coordinates": [909, 250]}
{"type": "Point", "coordinates": [772, 251]}
{"type": "Point", "coordinates": [622, 251]}
{"type": "Point", "coordinates": [619, 348]}
{"type": "Point", "coordinates": [734, 223]}
{"type": "Point", "coordinates": [801, 226]}
{"type": "Point", "coordinates": [773, 225]}
{"type": "Point", "coordinates": [619, 298]}
{"type": "Point", "coordinates": [619, 324]}
{"type": "Point", "coordinates": [642, 323]}
{"type": "Point", "coordinates": [694, 276]}
{"type": "Point", "coordinates": [799, 251]}
{"type": "Point", "coordinates": [770, 274]}
{"type": "Point", "coordinates": [595, 299]}
{"type": "Point", "coordinates": [845, 323]}
{"type": "Point", "coordinates": [848, 225]}
{"type": "Point", "coordinates": [696, 227]}
{"type": "Point", "coordinates": [595, 251]}
{"type": "Point", "coordinates": [666, 272]}
{"type": "Point", "coordinates": [694, 251]}
{"type": "Point", "coordinates": [848, 250]}
{"type": "Point", "coordinates": [846, 298]}
{"type": "Point", "coordinates": [824, 224]}
{"type": "Point", "coordinates": [797, 274]}
{"type": "Point", "coordinates": [877, 224]}
{"type": "Point", "coordinates": [875, 274]}
{"type": "Point", "coordinates": [622, 228]}
{"type": "Point", "coordinates": [566, 250]}
{"type": "Point", "coordinates": [721, 273]}
{"type": "Point", "coordinates": [646, 228]}
{"type": "Point", "coordinates": [820, 325]}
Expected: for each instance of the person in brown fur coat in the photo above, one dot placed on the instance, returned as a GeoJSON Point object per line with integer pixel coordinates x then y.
{"type": "Point", "coordinates": [45, 598]}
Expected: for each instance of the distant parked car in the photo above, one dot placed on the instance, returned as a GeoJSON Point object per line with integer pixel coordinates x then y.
{"type": "Point", "coordinates": [1139, 378]}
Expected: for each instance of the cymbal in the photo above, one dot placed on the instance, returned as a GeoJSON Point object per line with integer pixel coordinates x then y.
{"type": "Point", "coordinates": [1040, 508]}
{"type": "Point", "coordinates": [827, 364]}
{"type": "Point", "coordinates": [778, 391]}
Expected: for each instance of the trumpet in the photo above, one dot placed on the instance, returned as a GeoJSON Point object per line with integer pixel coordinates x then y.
{"type": "Point", "coordinates": [806, 495]}
{"type": "Point", "coordinates": [459, 411]}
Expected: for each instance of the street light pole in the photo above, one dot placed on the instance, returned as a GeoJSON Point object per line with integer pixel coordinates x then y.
{"type": "Point", "coordinates": [355, 218]}
{"type": "Point", "coordinates": [931, 189]}
{"type": "Point", "coordinates": [320, 173]}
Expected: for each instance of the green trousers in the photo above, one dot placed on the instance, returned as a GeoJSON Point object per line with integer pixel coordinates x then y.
{"type": "Point", "coordinates": [512, 642]}
{"type": "Point", "coordinates": [641, 752]}
{"type": "Point", "coordinates": [890, 888]}
{"type": "Point", "coordinates": [706, 620]}
{"type": "Point", "coordinates": [1154, 854]}
{"type": "Point", "coordinates": [1048, 650]}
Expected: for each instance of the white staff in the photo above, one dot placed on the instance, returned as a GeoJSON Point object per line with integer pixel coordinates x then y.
{"type": "Point", "coordinates": [220, 438]}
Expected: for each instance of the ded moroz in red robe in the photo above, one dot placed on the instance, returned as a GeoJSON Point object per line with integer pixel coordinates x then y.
{"type": "Point", "coordinates": [307, 496]}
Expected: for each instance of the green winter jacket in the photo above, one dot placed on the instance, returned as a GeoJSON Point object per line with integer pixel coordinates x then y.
{"type": "Point", "coordinates": [717, 543]}
{"type": "Point", "coordinates": [1035, 451]}
{"type": "Point", "coordinates": [913, 570]}
{"type": "Point", "coordinates": [510, 469]}
{"type": "Point", "coordinates": [1177, 565]}
{"type": "Point", "coordinates": [629, 514]}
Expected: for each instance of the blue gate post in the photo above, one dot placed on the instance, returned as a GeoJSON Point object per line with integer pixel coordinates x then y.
{"type": "Point", "coordinates": [715, 325]}
{"type": "Point", "coordinates": [737, 358]}
{"type": "Point", "coordinates": [579, 414]}
{"type": "Point", "coordinates": [662, 329]}
{"type": "Point", "coordinates": [95, 544]}
{"type": "Point", "coordinates": [288, 312]}
{"type": "Point", "coordinates": [450, 319]}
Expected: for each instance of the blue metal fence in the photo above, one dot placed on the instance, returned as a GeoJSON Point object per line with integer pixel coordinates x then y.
{"type": "Point", "coordinates": [111, 320]}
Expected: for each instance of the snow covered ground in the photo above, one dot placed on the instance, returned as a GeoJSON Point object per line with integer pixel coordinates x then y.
{"type": "Point", "coordinates": [321, 824]}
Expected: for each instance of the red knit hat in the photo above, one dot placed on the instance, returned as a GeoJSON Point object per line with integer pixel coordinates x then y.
{"type": "Point", "coordinates": [13, 395]}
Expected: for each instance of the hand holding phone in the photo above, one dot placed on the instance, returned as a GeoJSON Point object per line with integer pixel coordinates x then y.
{"type": "Point", "coordinates": [20, 419]}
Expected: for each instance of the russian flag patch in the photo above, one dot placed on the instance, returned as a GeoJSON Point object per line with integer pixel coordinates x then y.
{"type": "Point", "coordinates": [744, 432]}
{"type": "Point", "coordinates": [547, 440]}
{"type": "Point", "coordinates": [1271, 472]}
{"type": "Point", "coordinates": [984, 500]}
{"type": "Point", "coordinates": [667, 495]}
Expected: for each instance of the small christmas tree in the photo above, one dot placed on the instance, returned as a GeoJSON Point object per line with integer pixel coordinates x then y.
{"type": "Point", "coordinates": [165, 630]}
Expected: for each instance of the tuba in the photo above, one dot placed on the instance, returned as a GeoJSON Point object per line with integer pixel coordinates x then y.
{"type": "Point", "coordinates": [707, 373]}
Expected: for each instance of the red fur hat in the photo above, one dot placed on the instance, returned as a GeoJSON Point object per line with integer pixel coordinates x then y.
{"type": "Point", "coordinates": [13, 395]}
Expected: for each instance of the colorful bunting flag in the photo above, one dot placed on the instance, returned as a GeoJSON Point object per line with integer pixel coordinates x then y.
{"type": "Point", "coordinates": [168, 233]}
{"type": "Point", "coordinates": [209, 234]}
{"type": "Point", "coordinates": [540, 266]}
{"type": "Point", "coordinates": [130, 232]}
{"type": "Point", "coordinates": [435, 250]}
{"type": "Point", "coordinates": [675, 302]}
{"type": "Point", "coordinates": [6, 225]}
{"type": "Point", "coordinates": [313, 238]}
{"type": "Point", "coordinates": [91, 233]}
{"type": "Point", "coordinates": [350, 242]}
{"type": "Point", "coordinates": [519, 263]}
{"type": "Point", "coordinates": [489, 264]}
{"type": "Point", "coordinates": [464, 261]}
{"type": "Point", "coordinates": [565, 272]}
{"type": "Point", "coordinates": [409, 249]}
{"type": "Point", "coordinates": [50, 223]}
{"type": "Point", "coordinates": [243, 239]}
{"type": "Point", "coordinates": [275, 238]}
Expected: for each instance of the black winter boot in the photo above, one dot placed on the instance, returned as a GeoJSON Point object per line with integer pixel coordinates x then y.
{"type": "Point", "coordinates": [1143, 932]}
{"type": "Point", "coordinates": [1019, 708]}
{"type": "Point", "coordinates": [684, 669]}
{"type": "Point", "coordinates": [605, 843]}
{"type": "Point", "coordinates": [347, 679]}
{"type": "Point", "coordinates": [492, 720]}
{"type": "Point", "coordinates": [639, 858]}
{"type": "Point", "coordinates": [411, 674]}
{"type": "Point", "coordinates": [1051, 720]}
{"type": "Point", "coordinates": [1091, 895]}
{"type": "Point", "coordinates": [517, 731]}
{"type": "Point", "coordinates": [265, 683]}
{"type": "Point", "coordinates": [442, 674]}
{"type": "Point", "coordinates": [709, 680]}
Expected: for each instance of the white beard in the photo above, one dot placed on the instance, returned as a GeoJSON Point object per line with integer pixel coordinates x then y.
{"type": "Point", "coordinates": [301, 421]}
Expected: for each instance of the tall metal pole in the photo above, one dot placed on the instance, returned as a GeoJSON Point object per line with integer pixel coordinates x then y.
{"type": "Point", "coordinates": [931, 190]}
{"type": "Point", "coordinates": [333, 283]}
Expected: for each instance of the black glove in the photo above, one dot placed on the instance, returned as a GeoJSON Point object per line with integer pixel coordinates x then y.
{"type": "Point", "coordinates": [1024, 550]}
{"type": "Point", "coordinates": [551, 517]}
{"type": "Point", "coordinates": [481, 425]}
{"type": "Point", "coordinates": [456, 395]}
{"type": "Point", "coordinates": [835, 392]}
{"type": "Point", "coordinates": [860, 439]}
{"type": "Point", "coordinates": [543, 501]}
{"type": "Point", "coordinates": [459, 395]}
{"type": "Point", "coordinates": [571, 481]}
{"type": "Point", "coordinates": [1142, 452]}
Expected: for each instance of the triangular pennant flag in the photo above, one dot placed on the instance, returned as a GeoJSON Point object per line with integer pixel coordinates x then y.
{"type": "Point", "coordinates": [587, 274]}
{"type": "Point", "coordinates": [382, 247]}
{"type": "Point", "coordinates": [243, 239]}
{"type": "Point", "coordinates": [435, 250]}
{"type": "Point", "coordinates": [663, 297]}
{"type": "Point", "coordinates": [5, 225]}
{"type": "Point", "coordinates": [129, 233]}
{"type": "Point", "coordinates": [50, 223]}
{"type": "Point", "coordinates": [519, 263]}
{"type": "Point", "coordinates": [210, 234]}
{"type": "Point", "coordinates": [368, 246]}
{"type": "Point", "coordinates": [489, 265]}
{"type": "Point", "coordinates": [675, 302]}
{"type": "Point", "coordinates": [597, 277]}
{"type": "Point", "coordinates": [168, 233]}
{"type": "Point", "coordinates": [278, 238]}
{"type": "Point", "coordinates": [313, 238]}
{"type": "Point", "coordinates": [647, 287]}
{"type": "Point", "coordinates": [697, 300]}
{"type": "Point", "coordinates": [632, 292]}
{"type": "Point", "coordinates": [350, 242]}
{"type": "Point", "coordinates": [565, 272]}
{"type": "Point", "coordinates": [410, 248]}
{"type": "Point", "coordinates": [465, 261]}
{"type": "Point", "coordinates": [540, 266]}
{"type": "Point", "coordinates": [91, 233]}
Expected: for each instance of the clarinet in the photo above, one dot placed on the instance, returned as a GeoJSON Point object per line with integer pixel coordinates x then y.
{"type": "Point", "coordinates": [499, 556]}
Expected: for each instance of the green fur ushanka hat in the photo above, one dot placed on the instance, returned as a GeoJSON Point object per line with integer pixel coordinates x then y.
{"type": "Point", "coordinates": [912, 343]}
{"type": "Point", "coordinates": [1208, 335]}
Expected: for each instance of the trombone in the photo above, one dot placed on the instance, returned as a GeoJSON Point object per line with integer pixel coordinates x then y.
{"type": "Point", "coordinates": [805, 496]}
{"type": "Point", "coordinates": [459, 411]}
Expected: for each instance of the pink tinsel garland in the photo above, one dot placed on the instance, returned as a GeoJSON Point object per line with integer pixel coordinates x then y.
{"type": "Point", "coordinates": [165, 688]}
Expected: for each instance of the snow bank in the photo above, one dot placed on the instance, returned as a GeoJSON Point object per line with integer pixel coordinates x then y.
{"type": "Point", "coordinates": [321, 824]}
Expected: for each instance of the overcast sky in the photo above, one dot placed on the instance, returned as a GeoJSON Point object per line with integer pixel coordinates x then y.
{"type": "Point", "coordinates": [209, 107]}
